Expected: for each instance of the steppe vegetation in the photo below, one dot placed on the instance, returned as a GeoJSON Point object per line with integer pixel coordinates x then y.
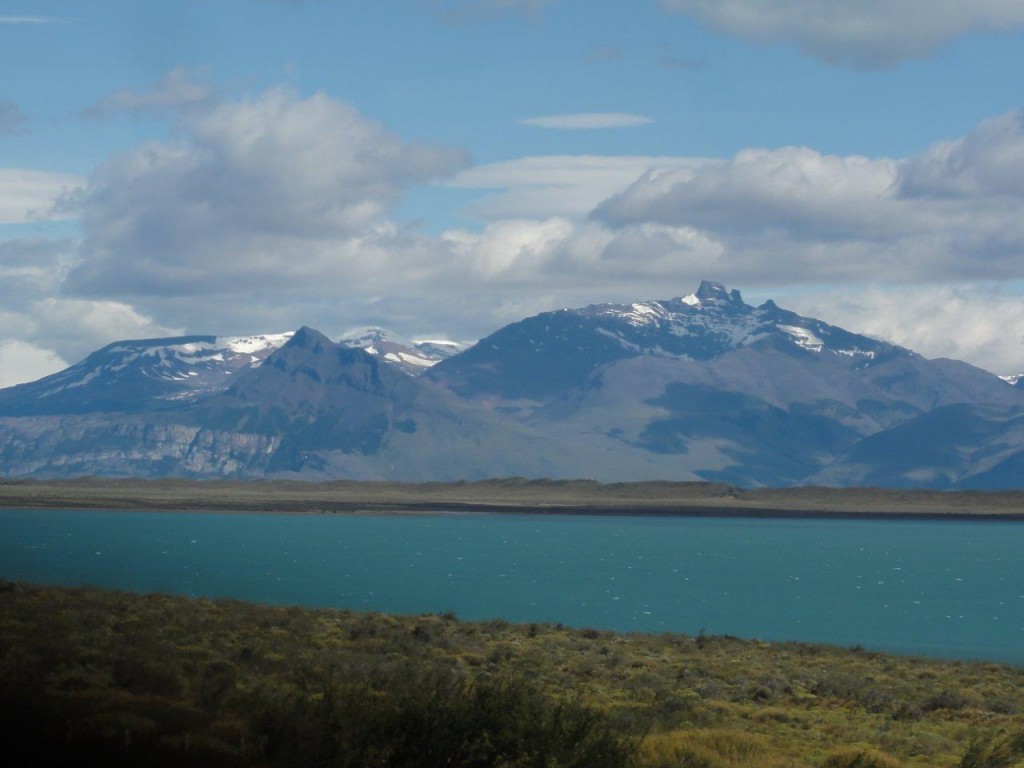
{"type": "Point", "coordinates": [127, 679]}
{"type": "Point", "coordinates": [510, 494]}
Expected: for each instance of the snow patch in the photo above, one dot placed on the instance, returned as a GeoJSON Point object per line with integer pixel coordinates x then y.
{"type": "Point", "coordinates": [803, 338]}
{"type": "Point", "coordinates": [414, 360]}
{"type": "Point", "coordinates": [856, 352]}
{"type": "Point", "coordinates": [251, 345]}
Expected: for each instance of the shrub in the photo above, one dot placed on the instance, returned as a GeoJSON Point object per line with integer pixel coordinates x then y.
{"type": "Point", "coordinates": [852, 757]}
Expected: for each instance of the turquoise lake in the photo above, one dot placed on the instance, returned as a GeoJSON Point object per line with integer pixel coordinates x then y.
{"type": "Point", "coordinates": [940, 588]}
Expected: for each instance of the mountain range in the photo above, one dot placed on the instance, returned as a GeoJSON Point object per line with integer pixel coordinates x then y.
{"type": "Point", "coordinates": [699, 387]}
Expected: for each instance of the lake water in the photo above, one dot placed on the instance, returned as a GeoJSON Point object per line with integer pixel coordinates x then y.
{"type": "Point", "coordinates": [942, 588]}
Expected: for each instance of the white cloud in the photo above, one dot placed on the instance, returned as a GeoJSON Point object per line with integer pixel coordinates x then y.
{"type": "Point", "coordinates": [518, 250]}
{"type": "Point", "coordinates": [89, 322]}
{"type": "Point", "coordinates": [178, 90]}
{"type": "Point", "coordinates": [585, 121]}
{"type": "Point", "coordinates": [270, 191]}
{"type": "Point", "coordinates": [32, 311]}
{"type": "Point", "coordinates": [556, 185]}
{"type": "Point", "coordinates": [27, 195]}
{"type": "Point", "coordinates": [273, 211]}
{"type": "Point", "coordinates": [989, 162]}
{"type": "Point", "coordinates": [794, 189]}
{"type": "Point", "coordinates": [795, 215]}
{"type": "Point", "coordinates": [977, 323]}
{"type": "Point", "coordinates": [867, 34]}
{"type": "Point", "coordinates": [21, 362]}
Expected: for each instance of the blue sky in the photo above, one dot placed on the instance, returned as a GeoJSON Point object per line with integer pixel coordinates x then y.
{"type": "Point", "coordinates": [442, 167]}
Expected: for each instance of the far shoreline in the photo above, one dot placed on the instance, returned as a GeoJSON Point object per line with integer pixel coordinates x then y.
{"type": "Point", "coordinates": [509, 496]}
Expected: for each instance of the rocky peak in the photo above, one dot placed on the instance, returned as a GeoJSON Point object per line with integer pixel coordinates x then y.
{"type": "Point", "coordinates": [710, 291]}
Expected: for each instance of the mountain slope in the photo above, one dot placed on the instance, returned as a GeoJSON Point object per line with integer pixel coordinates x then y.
{"type": "Point", "coordinates": [742, 394]}
{"type": "Point", "coordinates": [542, 356]}
{"type": "Point", "coordinates": [703, 386]}
{"type": "Point", "coordinates": [147, 374]}
{"type": "Point", "coordinates": [961, 446]}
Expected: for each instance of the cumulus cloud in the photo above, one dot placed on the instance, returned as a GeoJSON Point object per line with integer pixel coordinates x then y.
{"type": "Point", "coordinates": [21, 362]}
{"type": "Point", "coordinates": [274, 188]}
{"type": "Point", "coordinates": [981, 324]}
{"type": "Point", "coordinates": [794, 189]}
{"type": "Point", "coordinates": [273, 211]}
{"type": "Point", "coordinates": [31, 252]}
{"type": "Point", "coordinates": [989, 162]}
{"type": "Point", "coordinates": [84, 325]}
{"type": "Point", "coordinates": [34, 315]}
{"type": "Point", "coordinates": [181, 89]}
{"type": "Point", "coordinates": [27, 195]}
{"type": "Point", "coordinates": [588, 121]}
{"type": "Point", "coordinates": [40, 334]}
{"type": "Point", "coordinates": [955, 212]}
{"type": "Point", "coordinates": [866, 34]}
{"type": "Point", "coordinates": [12, 119]}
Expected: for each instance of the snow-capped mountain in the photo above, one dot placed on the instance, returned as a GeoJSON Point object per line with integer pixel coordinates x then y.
{"type": "Point", "coordinates": [703, 386]}
{"type": "Point", "coordinates": [413, 357]}
{"type": "Point", "coordinates": [540, 356]}
{"type": "Point", "coordinates": [1016, 380]}
{"type": "Point", "coordinates": [142, 374]}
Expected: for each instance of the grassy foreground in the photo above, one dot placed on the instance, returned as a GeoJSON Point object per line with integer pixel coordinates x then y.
{"type": "Point", "coordinates": [98, 677]}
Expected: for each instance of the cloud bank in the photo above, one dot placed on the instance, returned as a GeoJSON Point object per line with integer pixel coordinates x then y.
{"type": "Point", "coordinates": [865, 34]}
{"type": "Point", "coordinates": [955, 212]}
{"type": "Point", "coordinates": [274, 210]}
{"type": "Point", "coordinates": [27, 196]}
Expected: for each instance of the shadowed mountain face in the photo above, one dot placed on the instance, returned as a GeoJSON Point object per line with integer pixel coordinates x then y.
{"type": "Point", "coordinates": [313, 394]}
{"type": "Point", "coordinates": [703, 386]}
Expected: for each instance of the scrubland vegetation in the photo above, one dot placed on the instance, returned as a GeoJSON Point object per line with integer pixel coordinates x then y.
{"type": "Point", "coordinates": [96, 677]}
{"type": "Point", "coordinates": [510, 494]}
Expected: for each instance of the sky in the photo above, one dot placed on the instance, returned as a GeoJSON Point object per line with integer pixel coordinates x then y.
{"type": "Point", "coordinates": [443, 167]}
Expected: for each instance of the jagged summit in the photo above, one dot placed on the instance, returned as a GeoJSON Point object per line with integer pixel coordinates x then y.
{"type": "Point", "coordinates": [545, 354]}
{"type": "Point", "coordinates": [710, 291]}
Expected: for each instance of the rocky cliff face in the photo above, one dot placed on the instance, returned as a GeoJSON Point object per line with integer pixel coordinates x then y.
{"type": "Point", "coordinates": [76, 445]}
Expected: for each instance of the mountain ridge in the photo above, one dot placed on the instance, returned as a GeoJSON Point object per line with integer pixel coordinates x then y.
{"type": "Point", "coordinates": [698, 387]}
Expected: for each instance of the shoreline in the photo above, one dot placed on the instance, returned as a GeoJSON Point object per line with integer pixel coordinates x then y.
{"type": "Point", "coordinates": [510, 496]}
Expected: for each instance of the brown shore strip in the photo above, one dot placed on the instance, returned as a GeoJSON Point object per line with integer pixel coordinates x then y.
{"type": "Point", "coordinates": [511, 495]}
